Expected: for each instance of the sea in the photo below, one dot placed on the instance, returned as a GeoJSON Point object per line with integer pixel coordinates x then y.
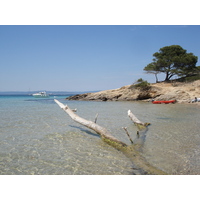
{"type": "Point", "coordinates": [39, 138]}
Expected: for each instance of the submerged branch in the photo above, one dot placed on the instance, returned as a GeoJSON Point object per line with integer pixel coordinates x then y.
{"type": "Point", "coordinates": [140, 125]}
{"type": "Point", "coordinates": [104, 133]}
{"type": "Point", "coordinates": [95, 120]}
{"type": "Point", "coordinates": [130, 151]}
{"type": "Point", "coordinates": [125, 128]}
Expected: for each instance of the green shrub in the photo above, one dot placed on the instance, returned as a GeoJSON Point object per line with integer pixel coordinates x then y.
{"type": "Point", "coordinates": [141, 85]}
{"type": "Point", "coordinates": [192, 78]}
{"type": "Point", "coordinates": [189, 78]}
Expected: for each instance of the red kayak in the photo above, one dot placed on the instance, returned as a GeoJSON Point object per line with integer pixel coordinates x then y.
{"type": "Point", "coordinates": [166, 102]}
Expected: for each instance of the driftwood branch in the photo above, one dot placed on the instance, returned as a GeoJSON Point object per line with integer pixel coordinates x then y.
{"type": "Point", "coordinates": [125, 128]}
{"type": "Point", "coordinates": [129, 151]}
{"type": "Point", "coordinates": [74, 110]}
{"type": "Point", "coordinates": [95, 120]}
{"type": "Point", "coordinates": [104, 133]}
{"type": "Point", "coordinates": [141, 125]}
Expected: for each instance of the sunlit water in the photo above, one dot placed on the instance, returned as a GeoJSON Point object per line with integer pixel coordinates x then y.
{"type": "Point", "coordinates": [37, 137]}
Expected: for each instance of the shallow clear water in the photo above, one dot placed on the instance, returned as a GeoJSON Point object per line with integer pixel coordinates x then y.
{"type": "Point", "coordinates": [37, 137]}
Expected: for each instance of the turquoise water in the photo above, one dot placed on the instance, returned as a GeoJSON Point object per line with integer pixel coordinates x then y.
{"type": "Point", "coordinates": [37, 137]}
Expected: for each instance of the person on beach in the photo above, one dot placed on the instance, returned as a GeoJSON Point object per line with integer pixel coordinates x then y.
{"type": "Point", "coordinates": [195, 99]}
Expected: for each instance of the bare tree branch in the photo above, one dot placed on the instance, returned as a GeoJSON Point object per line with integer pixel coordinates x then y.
{"type": "Point", "coordinates": [130, 151]}
{"type": "Point", "coordinates": [141, 125]}
{"type": "Point", "coordinates": [104, 133]}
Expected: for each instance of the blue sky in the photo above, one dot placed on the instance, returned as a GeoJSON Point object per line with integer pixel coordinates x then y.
{"type": "Point", "coordinates": [84, 58]}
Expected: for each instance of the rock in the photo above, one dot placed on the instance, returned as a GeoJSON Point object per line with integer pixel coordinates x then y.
{"type": "Point", "coordinates": [78, 97]}
{"type": "Point", "coordinates": [182, 92]}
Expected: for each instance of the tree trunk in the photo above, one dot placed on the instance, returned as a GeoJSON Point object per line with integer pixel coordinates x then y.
{"type": "Point", "coordinates": [104, 133]}
{"type": "Point", "coordinates": [130, 151]}
{"type": "Point", "coordinates": [156, 78]}
{"type": "Point", "coordinates": [167, 76]}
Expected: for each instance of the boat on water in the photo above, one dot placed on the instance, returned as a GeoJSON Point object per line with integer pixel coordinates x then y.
{"type": "Point", "coordinates": [41, 95]}
{"type": "Point", "coordinates": [165, 102]}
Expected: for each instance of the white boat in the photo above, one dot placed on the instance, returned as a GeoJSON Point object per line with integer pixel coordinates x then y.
{"type": "Point", "coordinates": [41, 95]}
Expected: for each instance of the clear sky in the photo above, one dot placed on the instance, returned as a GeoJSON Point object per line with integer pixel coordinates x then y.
{"type": "Point", "coordinates": [85, 58]}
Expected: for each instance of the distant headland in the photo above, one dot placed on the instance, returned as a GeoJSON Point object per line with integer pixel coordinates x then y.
{"type": "Point", "coordinates": [182, 92]}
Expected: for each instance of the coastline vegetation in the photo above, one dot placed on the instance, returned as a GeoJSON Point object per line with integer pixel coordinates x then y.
{"type": "Point", "coordinates": [141, 85]}
{"type": "Point", "coordinates": [180, 70]}
{"type": "Point", "coordinates": [174, 61]}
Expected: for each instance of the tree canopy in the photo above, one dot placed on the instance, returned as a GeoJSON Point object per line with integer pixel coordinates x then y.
{"type": "Point", "coordinates": [172, 60]}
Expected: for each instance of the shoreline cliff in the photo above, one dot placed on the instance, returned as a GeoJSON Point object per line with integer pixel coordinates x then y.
{"type": "Point", "coordinates": [182, 92]}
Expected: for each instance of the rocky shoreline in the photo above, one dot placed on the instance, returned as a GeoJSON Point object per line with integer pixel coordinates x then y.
{"type": "Point", "coordinates": [182, 92]}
